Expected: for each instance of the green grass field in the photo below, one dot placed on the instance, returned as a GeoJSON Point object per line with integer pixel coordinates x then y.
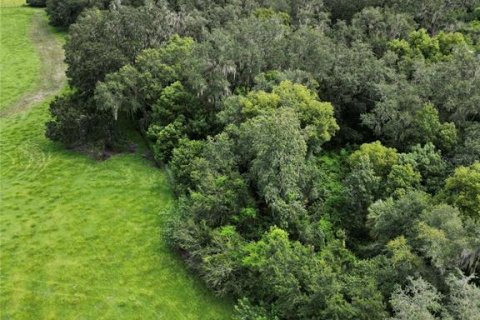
{"type": "Point", "coordinates": [19, 65]}
{"type": "Point", "coordinates": [81, 239]}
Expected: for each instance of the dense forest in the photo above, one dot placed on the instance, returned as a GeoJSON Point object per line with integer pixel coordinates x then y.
{"type": "Point", "coordinates": [324, 154]}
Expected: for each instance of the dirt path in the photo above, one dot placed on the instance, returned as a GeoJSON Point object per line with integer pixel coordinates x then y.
{"type": "Point", "coordinates": [52, 69]}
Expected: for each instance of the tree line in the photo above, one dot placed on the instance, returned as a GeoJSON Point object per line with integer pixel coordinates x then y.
{"type": "Point", "coordinates": [324, 155]}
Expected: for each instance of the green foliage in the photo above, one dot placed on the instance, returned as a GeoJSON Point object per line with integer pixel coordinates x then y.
{"type": "Point", "coordinates": [391, 218]}
{"type": "Point", "coordinates": [270, 150]}
{"type": "Point", "coordinates": [464, 297]}
{"type": "Point", "coordinates": [166, 139]}
{"type": "Point", "coordinates": [403, 259]}
{"type": "Point", "coordinates": [316, 118]}
{"type": "Point", "coordinates": [462, 189]}
{"type": "Point", "coordinates": [325, 191]}
{"type": "Point", "coordinates": [420, 44]}
{"type": "Point", "coordinates": [468, 151]}
{"type": "Point", "coordinates": [442, 236]}
{"type": "Point", "coordinates": [219, 13]}
{"type": "Point", "coordinates": [378, 26]}
{"type": "Point", "coordinates": [429, 163]}
{"type": "Point", "coordinates": [139, 87]}
{"type": "Point", "coordinates": [453, 87]}
{"type": "Point", "coordinates": [346, 288]}
{"type": "Point", "coordinates": [331, 295]}
{"type": "Point", "coordinates": [75, 123]}
{"type": "Point", "coordinates": [218, 194]}
{"type": "Point", "coordinates": [240, 51]}
{"type": "Point", "coordinates": [268, 13]}
{"type": "Point", "coordinates": [351, 86]}
{"type": "Point", "coordinates": [101, 42]}
{"type": "Point", "coordinates": [381, 158]}
{"type": "Point", "coordinates": [402, 178]}
{"type": "Point", "coordinates": [217, 210]}
{"type": "Point", "coordinates": [245, 310]}
{"type": "Point", "coordinates": [370, 178]}
{"type": "Point", "coordinates": [279, 152]}
{"type": "Point", "coordinates": [220, 265]}
{"type": "Point", "coordinates": [435, 15]}
{"type": "Point", "coordinates": [404, 115]}
{"type": "Point", "coordinates": [419, 300]}
{"type": "Point", "coordinates": [37, 3]}
{"type": "Point", "coordinates": [89, 59]}
{"type": "Point", "coordinates": [345, 10]}
{"type": "Point", "coordinates": [430, 130]}
{"type": "Point", "coordinates": [182, 166]}
{"type": "Point", "coordinates": [151, 90]}
{"type": "Point", "coordinates": [63, 13]}
{"type": "Point", "coordinates": [283, 269]}
{"type": "Point", "coordinates": [363, 188]}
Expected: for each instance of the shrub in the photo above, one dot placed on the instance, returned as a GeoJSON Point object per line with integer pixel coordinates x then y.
{"type": "Point", "coordinates": [37, 3]}
{"type": "Point", "coordinates": [76, 124]}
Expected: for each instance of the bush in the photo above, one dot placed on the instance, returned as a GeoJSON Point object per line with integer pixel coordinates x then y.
{"type": "Point", "coordinates": [77, 123]}
{"type": "Point", "coordinates": [63, 13]}
{"type": "Point", "coordinates": [37, 3]}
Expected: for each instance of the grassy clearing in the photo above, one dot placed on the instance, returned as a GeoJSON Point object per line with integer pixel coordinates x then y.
{"type": "Point", "coordinates": [12, 3]}
{"type": "Point", "coordinates": [82, 239]}
{"type": "Point", "coordinates": [48, 46]}
{"type": "Point", "coordinates": [19, 67]}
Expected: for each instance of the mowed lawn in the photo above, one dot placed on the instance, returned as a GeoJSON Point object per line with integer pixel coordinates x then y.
{"type": "Point", "coordinates": [82, 239]}
{"type": "Point", "coordinates": [19, 65]}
